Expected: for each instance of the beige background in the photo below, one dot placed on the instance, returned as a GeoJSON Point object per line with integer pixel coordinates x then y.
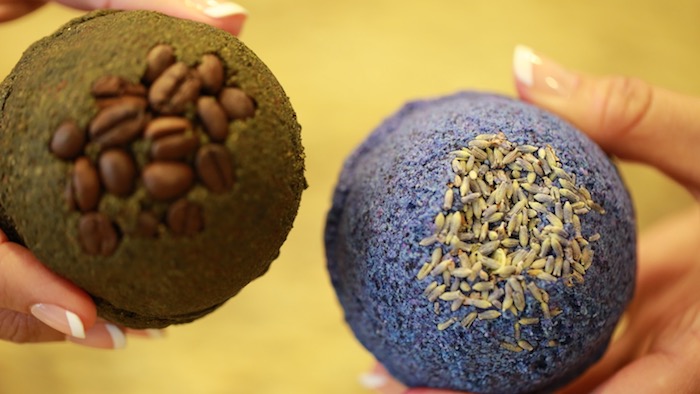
{"type": "Point", "coordinates": [347, 65]}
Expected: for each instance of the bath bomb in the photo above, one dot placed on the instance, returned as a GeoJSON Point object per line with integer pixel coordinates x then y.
{"type": "Point", "coordinates": [154, 162]}
{"type": "Point", "coordinates": [477, 243]}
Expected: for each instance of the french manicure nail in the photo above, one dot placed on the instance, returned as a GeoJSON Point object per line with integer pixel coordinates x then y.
{"type": "Point", "coordinates": [372, 381]}
{"type": "Point", "coordinates": [102, 336]}
{"type": "Point", "coordinates": [154, 333]}
{"type": "Point", "coordinates": [117, 335]}
{"type": "Point", "coordinates": [151, 333]}
{"type": "Point", "coordinates": [539, 74]}
{"type": "Point", "coordinates": [523, 60]}
{"type": "Point", "coordinates": [59, 319]}
{"type": "Point", "coordinates": [216, 8]}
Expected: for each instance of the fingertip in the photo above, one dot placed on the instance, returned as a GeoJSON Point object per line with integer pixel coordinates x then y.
{"type": "Point", "coordinates": [539, 77]}
{"type": "Point", "coordinates": [150, 333]}
{"type": "Point", "coordinates": [523, 60]}
{"type": "Point", "coordinates": [102, 336]}
{"type": "Point", "coordinates": [223, 14]}
{"type": "Point", "coordinates": [30, 287]}
{"type": "Point", "coordinates": [522, 91]}
{"type": "Point", "coordinates": [541, 81]}
{"type": "Point", "coordinates": [380, 381]}
{"type": "Point", "coordinates": [232, 24]}
{"type": "Point", "coordinates": [59, 318]}
{"type": "Point", "coordinates": [373, 380]}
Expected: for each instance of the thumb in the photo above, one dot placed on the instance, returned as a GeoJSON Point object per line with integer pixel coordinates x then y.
{"type": "Point", "coordinates": [27, 288]}
{"type": "Point", "coordinates": [671, 363]}
{"type": "Point", "coordinates": [36, 305]}
{"type": "Point", "coordinates": [625, 116]}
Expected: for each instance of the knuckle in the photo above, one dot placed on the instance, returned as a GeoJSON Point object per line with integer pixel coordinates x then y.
{"type": "Point", "coordinates": [624, 103]}
{"type": "Point", "coordinates": [690, 323]}
{"type": "Point", "coordinates": [16, 327]}
{"type": "Point", "coordinates": [683, 328]}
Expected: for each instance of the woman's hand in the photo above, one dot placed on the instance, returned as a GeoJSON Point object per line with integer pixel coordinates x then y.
{"type": "Point", "coordinates": [36, 305]}
{"type": "Point", "coordinates": [657, 349]}
{"type": "Point", "coordinates": [223, 14]}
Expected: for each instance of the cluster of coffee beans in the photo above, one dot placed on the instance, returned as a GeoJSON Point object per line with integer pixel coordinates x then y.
{"type": "Point", "coordinates": [183, 113]}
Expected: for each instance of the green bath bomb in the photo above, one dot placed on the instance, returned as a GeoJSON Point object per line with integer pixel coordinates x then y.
{"type": "Point", "coordinates": [154, 162]}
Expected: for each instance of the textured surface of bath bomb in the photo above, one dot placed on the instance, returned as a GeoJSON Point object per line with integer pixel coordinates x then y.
{"type": "Point", "coordinates": [478, 243]}
{"type": "Point", "coordinates": [154, 162]}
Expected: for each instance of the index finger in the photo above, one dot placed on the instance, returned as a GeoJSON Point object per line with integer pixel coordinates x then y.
{"type": "Point", "coordinates": [625, 116]}
{"type": "Point", "coordinates": [225, 15]}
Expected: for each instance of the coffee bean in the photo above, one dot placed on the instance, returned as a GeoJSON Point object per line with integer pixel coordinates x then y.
{"type": "Point", "coordinates": [114, 86]}
{"type": "Point", "coordinates": [213, 117]}
{"type": "Point", "coordinates": [185, 218]}
{"type": "Point", "coordinates": [118, 124]}
{"type": "Point", "coordinates": [166, 125]}
{"type": "Point", "coordinates": [166, 180]}
{"type": "Point", "coordinates": [118, 172]}
{"type": "Point", "coordinates": [107, 86]}
{"type": "Point", "coordinates": [103, 103]}
{"type": "Point", "coordinates": [68, 140]}
{"type": "Point", "coordinates": [97, 235]}
{"type": "Point", "coordinates": [174, 147]}
{"type": "Point", "coordinates": [158, 60]}
{"type": "Point", "coordinates": [147, 225]}
{"type": "Point", "coordinates": [172, 138]}
{"type": "Point", "coordinates": [215, 168]}
{"type": "Point", "coordinates": [85, 185]}
{"type": "Point", "coordinates": [236, 103]}
{"type": "Point", "coordinates": [211, 71]}
{"type": "Point", "coordinates": [174, 89]}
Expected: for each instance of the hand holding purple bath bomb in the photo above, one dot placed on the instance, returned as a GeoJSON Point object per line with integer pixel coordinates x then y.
{"type": "Point", "coordinates": [654, 349]}
{"type": "Point", "coordinates": [474, 233]}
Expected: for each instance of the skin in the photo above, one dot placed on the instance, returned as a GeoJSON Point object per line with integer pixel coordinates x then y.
{"type": "Point", "coordinates": [657, 349]}
{"type": "Point", "coordinates": [24, 281]}
{"type": "Point", "coordinates": [12, 9]}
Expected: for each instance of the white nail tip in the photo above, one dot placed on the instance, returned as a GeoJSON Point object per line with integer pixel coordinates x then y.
{"type": "Point", "coordinates": [118, 338]}
{"type": "Point", "coordinates": [76, 326]}
{"type": "Point", "coordinates": [372, 381]}
{"type": "Point", "coordinates": [154, 333]}
{"type": "Point", "coordinates": [224, 9]}
{"type": "Point", "coordinates": [523, 59]}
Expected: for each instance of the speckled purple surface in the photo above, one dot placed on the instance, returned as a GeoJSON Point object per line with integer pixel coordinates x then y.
{"type": "Point", "coordinates": [386, 199]}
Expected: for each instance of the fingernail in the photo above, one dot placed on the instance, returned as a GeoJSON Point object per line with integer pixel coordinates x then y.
{"type": "Point", "coordinates": [216, 8]}
{"type": "Point", "coordinates": [59, 319]}
{"type": "Point", "coordinates": [372, 381]}
{"type": "Point", "coordinates": [102, 336]}
{"type": "Point", "coordinates": [152, 333]}
{"type": "Point", "coordinates": [540, 75]}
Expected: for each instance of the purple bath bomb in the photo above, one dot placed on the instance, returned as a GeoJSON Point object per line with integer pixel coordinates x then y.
{"type": "Point", "coordinates": [510, 284]}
